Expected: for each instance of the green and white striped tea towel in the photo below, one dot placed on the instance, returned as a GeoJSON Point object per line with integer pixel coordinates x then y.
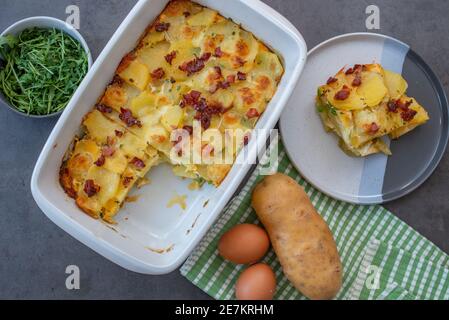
{"type": "Point", "coordinates": [400, 269]}
{"type": "Point", "coordinates": [382, 257]}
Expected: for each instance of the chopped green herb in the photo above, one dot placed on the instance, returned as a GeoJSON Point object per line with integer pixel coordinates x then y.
{"type": "Point", "coordinates": [42, 69]}
{"type": "Point", "coordinates": [331, 109]}
{"type": "Point", "coordinates": [320, 91]}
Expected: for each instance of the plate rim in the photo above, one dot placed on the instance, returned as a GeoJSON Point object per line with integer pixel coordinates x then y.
{"type": "Point", "coordinates": [440, 150]}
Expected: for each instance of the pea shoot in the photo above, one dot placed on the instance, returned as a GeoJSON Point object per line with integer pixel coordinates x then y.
{"type": "Point", "coordinates": [40, 69]}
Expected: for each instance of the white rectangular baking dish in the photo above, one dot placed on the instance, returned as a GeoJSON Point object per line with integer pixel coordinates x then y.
{"type": "Point", "coordinates": [149, 237]}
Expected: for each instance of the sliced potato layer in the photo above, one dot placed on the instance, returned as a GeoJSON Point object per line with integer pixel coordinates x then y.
{"type": "Point", "coordinates": [364, 103]}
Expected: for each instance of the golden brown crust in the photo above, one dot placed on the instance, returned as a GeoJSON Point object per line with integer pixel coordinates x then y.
{"type": "Point", "coordinates": [66, 181]}
{"type": "Point", "coordinates": [126, 61]}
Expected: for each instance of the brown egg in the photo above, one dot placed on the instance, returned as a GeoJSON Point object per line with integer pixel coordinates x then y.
{"type": "Point", "coordinates": [258, 282]}
{"type": "Point", "coordinates": [244, 243]}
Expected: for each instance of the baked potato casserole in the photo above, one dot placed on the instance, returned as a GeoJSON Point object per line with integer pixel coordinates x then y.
{"type": "Point", "coordinates": [364, 103]}
{"type": "Point", "coordinates": [192, 66]}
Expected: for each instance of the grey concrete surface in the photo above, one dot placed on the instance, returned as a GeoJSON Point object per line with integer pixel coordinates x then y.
{"type": "Point", "coordinates": [34, 252]}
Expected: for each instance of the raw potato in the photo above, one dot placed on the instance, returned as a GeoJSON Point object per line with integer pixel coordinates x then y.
{"type": "Point", "coordinates": [300, 237]}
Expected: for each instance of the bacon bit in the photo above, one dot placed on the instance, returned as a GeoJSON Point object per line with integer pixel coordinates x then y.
{"type": "Point", "coordinates": [127, 117]}
{"type": "Point", "coordinates": [177, 144]}
{"type": "Point", "coordinates": [186, 13]}
{"type": "Point", "coordinates": [190, 98]}
{"type": "Point", "coordinates": [240, 61]}
{"type": "Point", "coordinates": [373, 128]}
{"type": "Point", "coordinates": [218, 53]}
{"type": "Point", "coordinates": [349, 71]}
{"type": "Point", "coordinates": [343, 94]}
{"type": "Point", "coordinates": [207, 150]}
{"type": "Point", "coordinates": [215, 108]}
{"type": "Point", "coordinates": [90, 188]}
{"type": "Point", "coordinates": [194, 65]}
{"type": "Point", "coordinates": [205, 56]}
{"type": "Point", "coordinates": [331, 80]}
{"type": "Point", "coordinates": [103, 108]}
{"type": "Point", "coordinates": [195, 95]}
{"type": "Point", "coordinates": [241, 76]}
{"type": "Point", "coordinates": [201, 105]}
{"type": "Point", "coordinates": [197, 116]}
{"type": "Point", "coordinates": [392, 106]}
{"type": "Point", "coordinates": [158, 73]}
{"type": "Point", "coordinates": [178, 140]}
{"type": "Point", "coordinates": [110, 141]}
{"type": "Point", "coordinates": [246, 139]}
{"type": "Point", "coordinates": [169, 57]}
{"type": "Point", "coordinates": [221, 85]}
{"type": "Point", "coordinates": [161, 26]}
{"type": "Point", "coordinates": [127, 181]}
{"type": "Point", "coordinates": [224, 110]}
{"type": "Point", "coordinates": [189, 129]}
{"type": "Point", "coordinates": [213, 88]}
{"type": "Point", "coordinates": [218, 70]}
{"type": "Point", "coordinates": [107, 151]}
{"type": "Point", "coordinates": [100, 161]}
{"type": "Point", "coordinates": [138, 163]}
{"type": "Point", "coordinates": [408, 115]}
{"type": "Point", "coordinates": [252, 113]}
{"type": "Point", "coordinates": [118, 133]}
{"type": "Point", "coordinates": [204, 112]}
{"type": "Point", "coordinates": [230, 78]}
{"type": "Point", "coordinates": [357, 80]}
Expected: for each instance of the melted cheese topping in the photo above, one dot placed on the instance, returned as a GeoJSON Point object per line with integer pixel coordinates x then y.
{"type": "Point", "coordinates": [187, 48]}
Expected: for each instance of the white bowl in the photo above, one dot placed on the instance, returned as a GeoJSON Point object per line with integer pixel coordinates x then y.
{"type": "Point", "coordinates": [147, 225]}
{"type": "Point", "coordinates": [46, 22]}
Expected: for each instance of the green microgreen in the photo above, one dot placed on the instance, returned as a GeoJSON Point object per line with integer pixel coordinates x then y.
{"type": "Point", "coordinates": [41, 69]}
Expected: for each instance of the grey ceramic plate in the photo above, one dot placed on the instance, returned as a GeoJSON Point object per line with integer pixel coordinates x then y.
{"type": "Point", "coordinates": [376, 178]}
